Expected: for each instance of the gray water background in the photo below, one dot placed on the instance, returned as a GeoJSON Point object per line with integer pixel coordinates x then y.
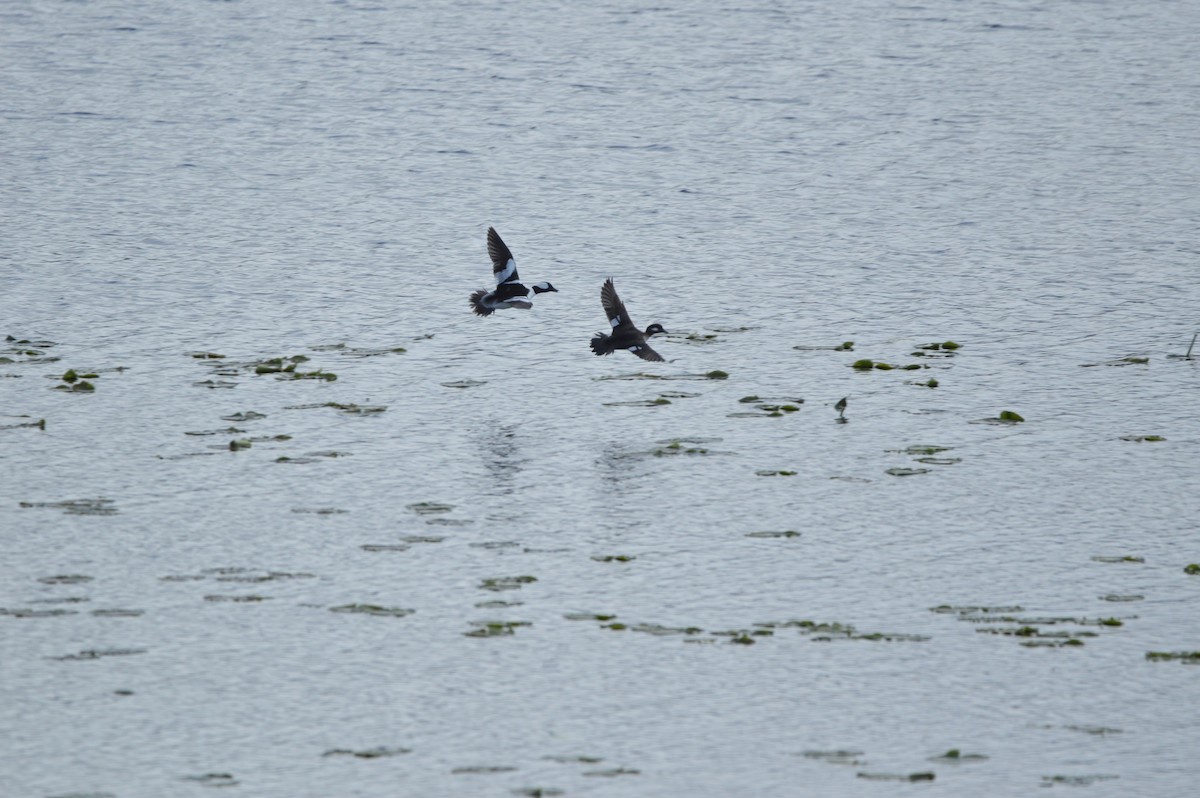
{"type": "Point", "coordinates": [266, 179]}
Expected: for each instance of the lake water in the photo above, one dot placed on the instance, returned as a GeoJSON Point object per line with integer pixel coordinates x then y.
{"type": "Point", "coordinates": [557, 574]}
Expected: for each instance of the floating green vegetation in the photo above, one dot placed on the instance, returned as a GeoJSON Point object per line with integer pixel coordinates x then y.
{"type": "Point", "coordinates": [1192, 569]}
{"type": "Point", "coordinates": [76, 384]}
{"type": "Point", "coordinates": [658, 630]}
{"type": "Point", "coordinates": [925, 776]}
{"type": "Point", "coordinates": [926, 451]}
{"type": "Point", "coordinates": [356, 410]}
{"type": "Point", "coordinates": [205, 355]}
{"type": "Point", "coordinates": [350, 351]}
{"type": "Point", "coordinates": [1071, 641]}
{"type": "Point", "coordinates": [1077, 781]}
{"type": "Point", "coordinates": [495, 628]}
{"type": "Point", "coordinates": [238, 444]}
{"type": "Point", "coordinates": [368, 753]}
{"type": "Point", "coordinates": [1097, 730]}
{"type": "Point", "coordinates": [248, 415]}
{"type": "Point", "coordinates": [206, 432]}
{"type": "Point", "coordinates": [497, 604]}
{"type": "Point", "coordinates": [717, 374]}
{"type": "Point", "coordinates": [506, 583]}
{"type": "Point", "coordinates": [99, 506]}
{"type": "Point", "coordinates": [1132, 360]}
{"type": "Point", "coordinates": [930, 383]}
{"type": "Point", "coordinates": [483, 769]}
{"type": "Point", "coordinates": [277, 365]}
{"type": "Point", "coordinates": [844, 346]}
{"type": "Point", "coordinates": [612, 773]}
{"type": "Point", "coordinates": [97, 653]}
{"type": "Point", "coordinates": [946, 346]}
{"type": "Point", "coordinates": [65, 579]}
{"type": "Point", "coordinates": [537, 792]}
{"type": "Point", "coordinates": [787, 533]}
{"type": "Point", "coordinates": [674, 446]}
{"type": "Point", "coordinates": [838, 757]}
{"type": "Point", "coordinates": [327, 376]}
{"type": "Point", "coordinates": [907, 472]}
{"type": "Point", "coordinates": [1005, 417]}
{"type": "Point", "coordinates": [213, 779]}
{"type": "Point", "coordinates": [40, 424]}
{"type": "Point", "coordinates": [890, 637]}
{"type": "Point", "coordinates": [637, 375]}
{"type": "Point", "coordinates": [422, 538]}
{"type": "Point", "coordinates": [1124, 558]}
{"type": "Point", "coordinates": [948, 609]}
{"type": "Point", "coordinates": [270, 576]}
{"type": "Point", "coordinates": [613, 558]}
{"type": "Point", "coordinates": [28, 613]}
{"type": "Point", "coordinates": [771, 473]}
{"type": "Point", "coordinates": [214, 384]}
{"type": "Point", "coordinates": [640, 403]}
{"type": "Point", "coordinates": [1188, 657]}
{"type": "Point", "coordinates": [867, 364]}
{"type": "Point", "coordinates": [430, 508]}
{"type": "Point", "coordinates": [464, 383]}
{"type": "Point", "coordinates": [769, 407]}
{"type": "Point", "coordinates": [588, 616]}
{"type": "Point", "coordinates": [373, 609]}
{"type": "Point", "coordinates": [1143, 438]}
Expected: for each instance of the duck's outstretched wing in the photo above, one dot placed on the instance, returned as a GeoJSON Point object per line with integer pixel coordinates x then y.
{"type": "Point", "coordinates": [646, 353]}
{"type": "Point", "coordinates": [615, 310]}
{"type": "Point", "coordinates": [504, 266]}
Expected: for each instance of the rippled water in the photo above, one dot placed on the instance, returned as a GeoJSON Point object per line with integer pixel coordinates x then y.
{"type": "Point", "coordinates": [263, 180]}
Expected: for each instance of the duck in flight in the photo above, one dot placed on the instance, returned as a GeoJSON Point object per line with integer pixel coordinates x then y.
{"type": "Point", "coordinates": [509, 293]}
{"type": "Point", "coordinates": [624, 334]}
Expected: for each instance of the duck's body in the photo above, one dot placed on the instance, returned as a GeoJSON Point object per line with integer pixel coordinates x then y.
{"type": "Point", "coordinates": [624, 334]}
{"type": "Point", "coordinates": [509, 291]}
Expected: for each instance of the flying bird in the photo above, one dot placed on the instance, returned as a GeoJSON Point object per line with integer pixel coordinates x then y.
{"type": "Point", "coordinates": [509, 293]}
{"type": "Point", "coordinates": [624, 334]}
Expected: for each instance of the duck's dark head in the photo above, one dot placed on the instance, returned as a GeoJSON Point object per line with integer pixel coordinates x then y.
{"type": "Point", "coordinates": [543, 288]}
{"type": "Point", "coordinates": [655, 329]}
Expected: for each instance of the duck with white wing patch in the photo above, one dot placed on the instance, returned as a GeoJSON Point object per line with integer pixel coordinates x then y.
{"type": "Point", "coordinates": [509, 292]}
{"type": "Point", "coordinates": [624, 334]}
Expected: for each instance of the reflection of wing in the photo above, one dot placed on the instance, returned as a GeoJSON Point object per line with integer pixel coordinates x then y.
{"type": "Point", "coordinates": [504, 267]}
{"type": "Point", "coordinates": [614, 308]}
{"type": "Point", "coordinates": [646, 353]}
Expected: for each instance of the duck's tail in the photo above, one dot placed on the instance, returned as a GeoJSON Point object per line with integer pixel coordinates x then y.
{"type": "Point", "coordinates": [477, 304]}
{"type": "Point", "coordinates": [600, 344]}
